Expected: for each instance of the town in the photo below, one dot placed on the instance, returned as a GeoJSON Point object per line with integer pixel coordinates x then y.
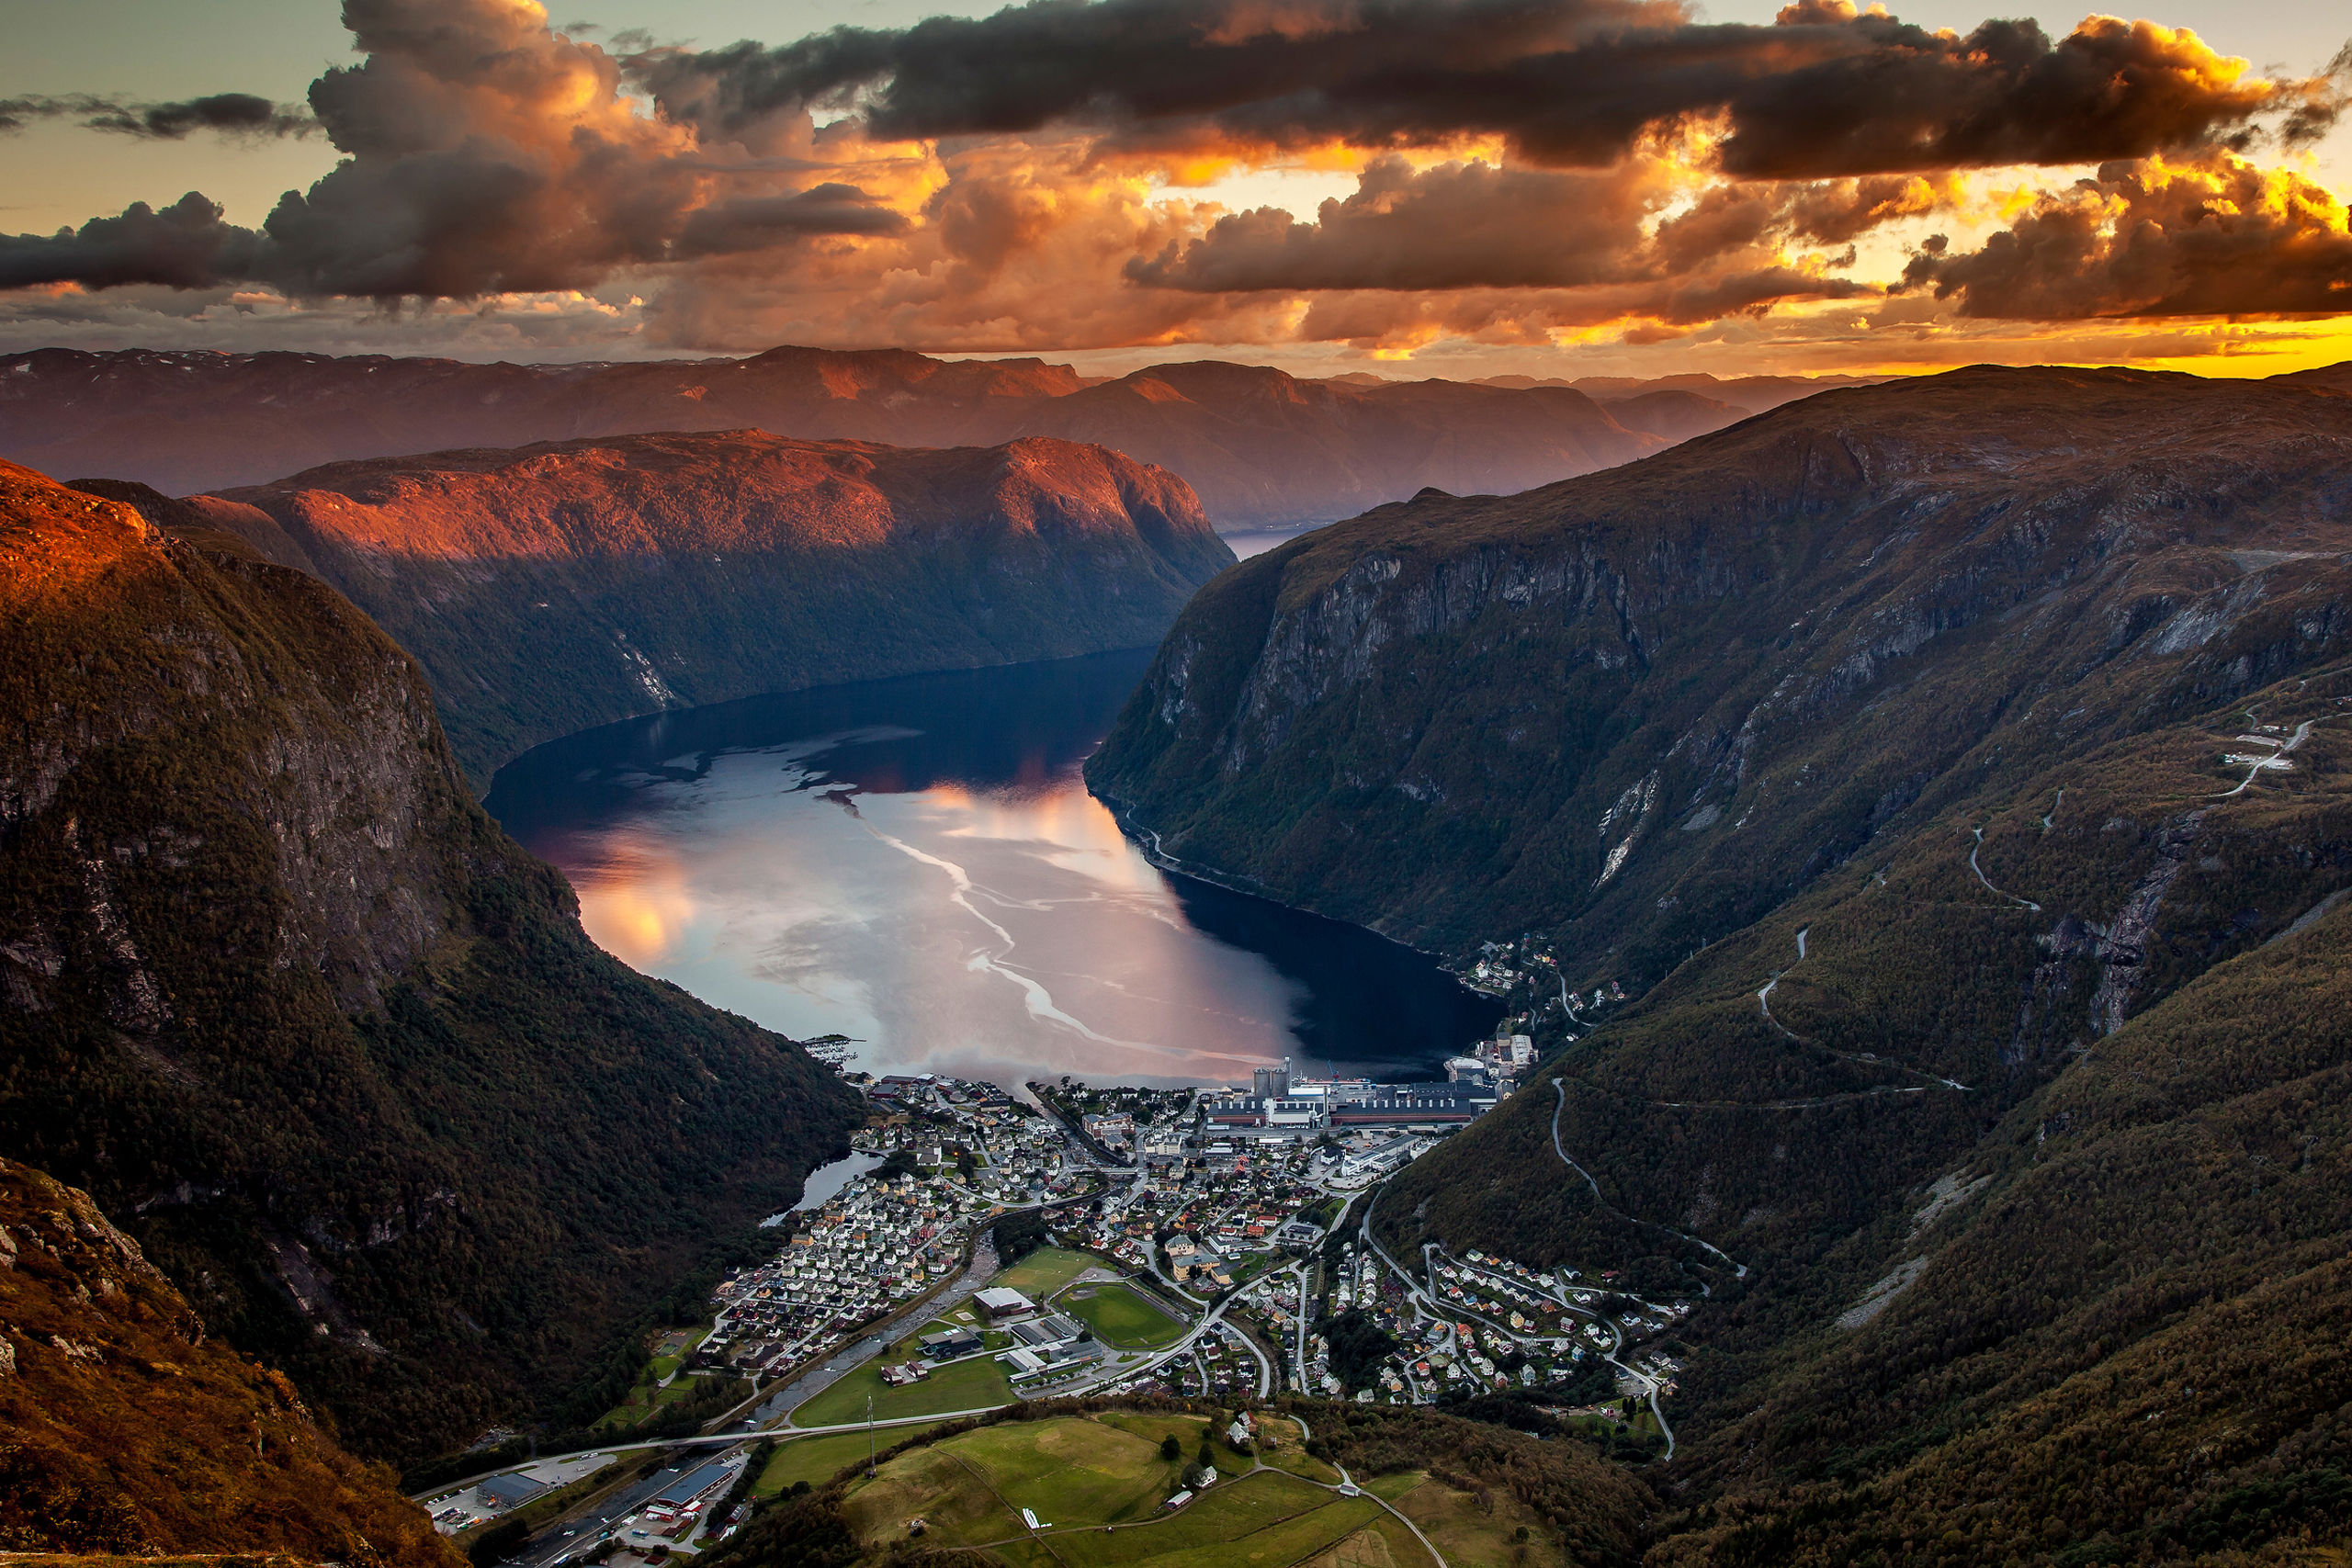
{"type": "Point", "coordinates": [979, 1247]}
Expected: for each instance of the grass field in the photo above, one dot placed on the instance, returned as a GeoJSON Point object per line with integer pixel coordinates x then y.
{"type": "Point", "coordinates": [1119, 1315]}
{"type": "Point", "coordinates": [1476, 1535]}
{"type": "Point", "coordinates": [1080, 1475]}
{"type": "Point", "coordinates": [1044, 1271]}
{"type": "Point", "coordinates": [817, 1460]}
{"type": "Point", "coordinates": [965, 1385]}
{"type": "Point", "coordinates": [1154, 1427]}
{"type": "Point", "coordinates": [1071, 1471]}
{"type": "Point", "coordinates": [1289, 1452]}
{"type": "Point", "coordinates": [1265, 1518]}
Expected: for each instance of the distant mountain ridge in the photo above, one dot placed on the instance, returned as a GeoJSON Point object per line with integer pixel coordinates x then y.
{"type": "Point", "coordinates": [1261, 448]}
{"type": "Point", "coordinates": [553, 588]}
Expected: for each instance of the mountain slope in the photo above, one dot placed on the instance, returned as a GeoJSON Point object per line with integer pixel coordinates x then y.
{"type": "Point", "coordinates": [125, 1430]}
{"type": "Point", "coordinates": [1261, 448]}
{"type": "Point", "coordinates": [557, 587]}
{"type": "Point", "coordinates": [1957, 775]}
{"type": "Point", "coordinates": [1645, 705]}
{"type": "Point", "coordinates": [287, 1004]}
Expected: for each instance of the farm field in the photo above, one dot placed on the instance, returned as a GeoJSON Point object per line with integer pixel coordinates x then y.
{"type": "Point", "coordinates": [1097, 1486]}
{"type": "Point", "coordinates": [1473, 1534]}
{"type": "Point", "coordinates": [817, 1460]}
{"type": "Point", "coordinates": [1119, 1315]}
{"type": "Point", "coordinates": [1289, 1452]}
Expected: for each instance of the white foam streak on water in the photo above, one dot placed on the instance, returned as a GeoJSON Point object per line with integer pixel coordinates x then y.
{"type": "Point", "coordinates": [1003, 934]}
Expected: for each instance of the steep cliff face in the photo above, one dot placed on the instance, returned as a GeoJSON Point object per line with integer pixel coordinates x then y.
{"type": "Point", "coordinates": [277, 993]}
{"type": "Point", "coordinates": [125, 1430]}
{"type": "Point", "coordinates": [1644, 706]}
{"type": "Point", "coordinates": [1261, 448]}
{"type": "Point", "coordinates": [553, 588]}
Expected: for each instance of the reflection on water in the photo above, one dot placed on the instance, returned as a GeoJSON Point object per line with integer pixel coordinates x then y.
{"type": "Point", "coordinates": [917, 865]}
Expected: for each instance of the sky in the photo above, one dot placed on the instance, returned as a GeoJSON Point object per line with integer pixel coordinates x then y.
{"type": "Point", "coordinates": [1414, 187]}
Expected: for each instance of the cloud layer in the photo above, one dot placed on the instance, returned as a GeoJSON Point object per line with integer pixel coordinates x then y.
{"type": "Point", "coordinates": [231, 114]}
{"type": "Point", "coordinates": [1523, 171]}
{"type": "Point", "coordinates": [1572, 82]}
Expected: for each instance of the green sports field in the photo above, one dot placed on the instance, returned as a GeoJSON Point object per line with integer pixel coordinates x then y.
{"type": "Point", "coordinates": [1044, 1271]}
{"type": "Point", "coordinates": [1119, 1315]}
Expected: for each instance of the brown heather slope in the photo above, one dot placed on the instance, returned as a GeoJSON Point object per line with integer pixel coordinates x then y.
{"type": "Point", "coordinates": [127, 1430]}
{"type": "Point", "coordinates": [1934, 709]}
{"type": "Point", "coordinates": [284, 1001]}
{"type": "Point", "coordinates": [553, 588]}
{"type": "Point", "coordinates": [1261, 448]}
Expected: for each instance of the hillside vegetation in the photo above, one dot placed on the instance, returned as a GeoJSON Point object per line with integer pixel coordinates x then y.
{"type": "Point", "coordinates": [127, 1431]}
{"type": "Point", "coordinates": [280, 997]}
{"type": "Point", "coordinates": [1958, 775]}
{"type": "Point", "coordinates": [554, 588]}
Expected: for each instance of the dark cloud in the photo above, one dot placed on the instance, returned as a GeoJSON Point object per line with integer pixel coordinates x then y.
{"type": "Point", "coordinates": [2223, 238]}
{"type": "Point", "coordinates": [485, 153]}
{"type": "Point", "coordinates": [1476, 226]}
{"type": "Point", "coordinates": [1823, 92]}
{"type": "Point", "coordinates": [754, 223]}
{"type": "Point", "coordinates": [231, 114]}
{"type": "Point", "coordinates": [185, 245]}
{"type": "Point", "coordinates": [1658, 172]}
{"type": "Point", "coordinates": [1458, 226]}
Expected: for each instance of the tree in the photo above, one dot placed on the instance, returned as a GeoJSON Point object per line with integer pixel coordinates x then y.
{"type": "Point", "coordinates": [1170, 1448]}
{"type": "Point", "coordinates": [499, 1541]}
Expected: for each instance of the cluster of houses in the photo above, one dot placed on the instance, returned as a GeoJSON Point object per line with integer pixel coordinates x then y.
{"type": "Point", "coordinates": [1502, 1326]}
{"type": "Point", "coordinates": [874, 1244]}
{"type": "Point", "coordinates": [1216, 1213]}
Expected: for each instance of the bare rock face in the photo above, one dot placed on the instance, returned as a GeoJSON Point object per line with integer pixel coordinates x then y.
{"type": "Point", "coordinates": [1261, 448]}
{"type": "Point", "coordinates": [553, 588]}
{"type": "Point", "coordinates": [286, 1003]}
{"type": "Point", "coordinates": [125, 1430]}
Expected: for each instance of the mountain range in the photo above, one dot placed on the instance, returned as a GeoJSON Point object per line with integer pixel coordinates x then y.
{"type": "Point", "coordinates": [557, 587]}
{"type": "Point", "coordinates": [1953, 772]}
{"type": "Point", "coordinates": [1260, 447]}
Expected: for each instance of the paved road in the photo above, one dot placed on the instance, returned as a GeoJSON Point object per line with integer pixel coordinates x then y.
{"type": "Point", "coordinates": [778, 1407]}
{"type": "Point", "coordinates": [579, 1533]}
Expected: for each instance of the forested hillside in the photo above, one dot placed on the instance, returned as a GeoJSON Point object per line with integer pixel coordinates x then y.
{"type": "Point", "coordinates": [294, 1011]}
{"type": "Point", "coordinates": [1956, 775]}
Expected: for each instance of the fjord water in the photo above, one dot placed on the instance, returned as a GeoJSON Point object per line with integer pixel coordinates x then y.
{"type": "Point", "coordinates": [916, 865]}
